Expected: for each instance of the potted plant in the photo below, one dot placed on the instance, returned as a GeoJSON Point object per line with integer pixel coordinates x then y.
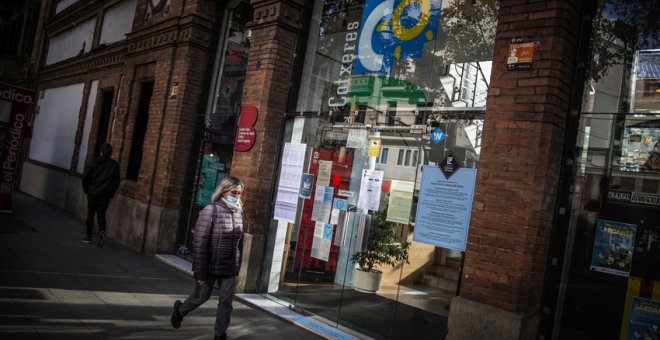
{"type": "Point", "coordinates": [383, 248]}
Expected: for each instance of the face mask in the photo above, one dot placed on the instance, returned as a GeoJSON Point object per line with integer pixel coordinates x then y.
{"type": "Point", "coordinates": [232, 199]}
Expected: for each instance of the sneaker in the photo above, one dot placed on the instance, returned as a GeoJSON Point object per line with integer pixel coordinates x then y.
{"type": "Point", "coordinates": [176, 318]}
{"type": "Point", "coordinates": [101, 239]}
{"type": "Point", "coordinates": [87, 240]}
{"type": "Point", "coordinates": [220, 337]}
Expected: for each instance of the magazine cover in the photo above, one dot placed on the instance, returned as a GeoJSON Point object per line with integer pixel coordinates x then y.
{"type": "Point", "coordinates": [644, 319]}
{"type": "Point", "coordinates": [613, 247]}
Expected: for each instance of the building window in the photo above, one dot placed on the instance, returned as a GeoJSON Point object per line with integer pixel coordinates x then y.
{"type": "Point", "coordinates": [407, 157]}
{"type": "Point", "coordinates": [382, 158]}
{"type": "Point", "coordinates": [139, 131]}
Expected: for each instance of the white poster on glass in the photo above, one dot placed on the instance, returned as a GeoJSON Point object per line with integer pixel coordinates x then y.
{"type": "Point", "coordinates": [370, 189]}
{"type": "Point", "coordinates": [286, 203]}
{"type": "Point", "coordinates": [323, 176]}
{"type": "Point", "coordinates": [322, 204]}
{"type": "Point", "coordinates": [322, 241]}
{"type": "Point", "coordinates": [400, 203]}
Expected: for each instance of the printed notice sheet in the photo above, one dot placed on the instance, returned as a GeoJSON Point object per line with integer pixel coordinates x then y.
{"type": "Point", "coordinates": [322, 241]}
{"type": "Point", "coordinates": [322, 204]}
{"type": "Point", "coordinates": [286, 203]}
{"type": "Point", "coordinates": [444, 207]}
{"type": "Point", "coordinates": [338, 205]}
{"type": "Point", "coordinates": [323, 177]}
{"type": "Point", "coordinates": [370, 189]}
{"type": "Point", "coordinates": [401, 199]}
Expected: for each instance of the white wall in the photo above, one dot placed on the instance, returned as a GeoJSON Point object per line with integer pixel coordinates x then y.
{"type": "Point", "coordinates": [70, 43]}
{"type": "Point", "coordinates": [62, 4]}
{"type": "Point", "coordinates": [87, 127]}
{"type": "Point", "coordinates": [55, 126]}
{"type": "Point", "coordinates": [117, 22]}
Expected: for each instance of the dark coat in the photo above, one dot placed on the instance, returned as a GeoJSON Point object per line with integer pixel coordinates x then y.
{"type": "Point", "coordinates": [101, 177]}
{"type": "Point", "coordinates": [217, 250]}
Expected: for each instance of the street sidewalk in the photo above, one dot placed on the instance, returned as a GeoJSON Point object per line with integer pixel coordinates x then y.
{"type": "Point", "coordinates": [52, 286]}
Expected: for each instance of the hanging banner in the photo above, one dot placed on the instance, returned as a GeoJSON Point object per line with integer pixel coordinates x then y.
{"type": "Point", "coordinates": [613, 247]}
{"type": "Point", "coordinates": [20, 100]}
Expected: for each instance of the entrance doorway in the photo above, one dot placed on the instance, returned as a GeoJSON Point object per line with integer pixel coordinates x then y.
{"type": "Point", "coordinates": [318, 275]}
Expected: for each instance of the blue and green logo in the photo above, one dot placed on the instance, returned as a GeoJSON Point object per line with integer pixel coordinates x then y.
{"type": "Point", "coordinates": [393, 30]}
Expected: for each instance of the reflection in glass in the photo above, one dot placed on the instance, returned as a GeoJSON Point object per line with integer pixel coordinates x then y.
{"type": "Point", "coordinates": [430, 70]}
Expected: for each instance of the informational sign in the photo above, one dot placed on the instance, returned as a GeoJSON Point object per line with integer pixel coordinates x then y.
{"type": "Point", "coordinates": [401, 199]}
{"type": "Point", "coordinates": [246, 135]}
{"type": "Point", "coordinates": [286, 203]}
{"type": "Point", "coordinates": [337, 205]}
{"type": "Point", "coordinates": [634, 197]}
{"type": "Point", "coordinates": [374, 146]}
{"type": "Point", "coordinates": [372, 181]}
{"type": "Point", "coordinates": [20, 100]}
{"type": "Point", "coordinates": [322, 204]}
{"type": "Point", "coordinates": [613, 247]}
{"type": "Point", "coordinates": [325, 169]}
{"type": "Point", "coordinates": [644, 319]}
{"type": "Point", "coordinates": [449, 165]}
{"type": "Point", "coordinates": [357, 138]}
{"type": "Point", "coordinates": [444, 208]}
{"type": "Point", "coordinates": [322, 241]}
{"type": "Point", "coordinates": [438, 136]}
{"type": "Point", "coordinates": [344, 193]}
{"type": "Point", "coordinates": [207, 178]}
{"type": "Point", "coordinates": [306, 185]}
{"type": "Point", "coordinates": [521, 54]}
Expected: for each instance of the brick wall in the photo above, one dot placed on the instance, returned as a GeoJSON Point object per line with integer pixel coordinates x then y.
{"type": "Point", "coordinates": [272, 48]}
{"type": "Point", "coordinates": [519, 167]}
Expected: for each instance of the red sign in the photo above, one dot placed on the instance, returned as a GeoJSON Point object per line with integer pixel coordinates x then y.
{"type": "Point", "coordinates": [246, 135]}
{"type": "Point", "coordinates": [20, 100]}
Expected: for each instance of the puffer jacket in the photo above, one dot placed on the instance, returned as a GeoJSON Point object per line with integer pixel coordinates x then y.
{"type": "Point", "coordinates": [217, 250]}
{"type": "Point", "coordinates": [101, 177]}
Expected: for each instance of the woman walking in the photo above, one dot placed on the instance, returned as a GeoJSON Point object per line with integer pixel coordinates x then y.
{"type": "Point", "coordinates": [217, 250]}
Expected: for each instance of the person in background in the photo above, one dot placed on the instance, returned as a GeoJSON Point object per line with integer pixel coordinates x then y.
{"type": "Point", "coordinates": [100, 182]}
{"type": "Point", "coordinates": [217, 251]}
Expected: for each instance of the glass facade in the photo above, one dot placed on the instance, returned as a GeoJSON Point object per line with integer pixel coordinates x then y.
{"type": "Point", "coordinates": [610, 284]}
{"type": "Point", "coordinates": [221, 118]}
{"type": "Point", "coordinates": [388, 98]}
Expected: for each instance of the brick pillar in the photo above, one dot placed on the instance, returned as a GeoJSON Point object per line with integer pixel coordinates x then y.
{"type": "Point", "coordinates": [274, 31]}
{"type": "Point", "coordinates": [515, 195]}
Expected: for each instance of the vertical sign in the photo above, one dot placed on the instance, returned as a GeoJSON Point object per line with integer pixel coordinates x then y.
{"type": "Point", "coordinates": [20, 100]}
{"type": "Point", "coordinates": [245, 135]}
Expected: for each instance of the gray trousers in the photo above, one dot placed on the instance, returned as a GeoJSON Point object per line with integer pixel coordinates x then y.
{"type": "Point", "coordinates": [203, 292]}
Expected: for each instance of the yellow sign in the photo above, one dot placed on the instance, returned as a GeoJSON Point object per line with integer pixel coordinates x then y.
{"type": "Point", "coordinates": [374, 146]}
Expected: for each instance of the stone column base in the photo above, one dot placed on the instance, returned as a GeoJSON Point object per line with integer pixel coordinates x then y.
{"type": "Point", "coordinates": [473, 320]}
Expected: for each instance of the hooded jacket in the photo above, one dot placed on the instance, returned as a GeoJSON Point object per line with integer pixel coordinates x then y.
{"type": "Point", "coordinates": [217, 249]}
{"type": "Point", "coordinates": [101, 177]}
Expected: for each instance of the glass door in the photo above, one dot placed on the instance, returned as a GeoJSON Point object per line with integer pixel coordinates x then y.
{"type": "Point", "coordinates": [358, 197]}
